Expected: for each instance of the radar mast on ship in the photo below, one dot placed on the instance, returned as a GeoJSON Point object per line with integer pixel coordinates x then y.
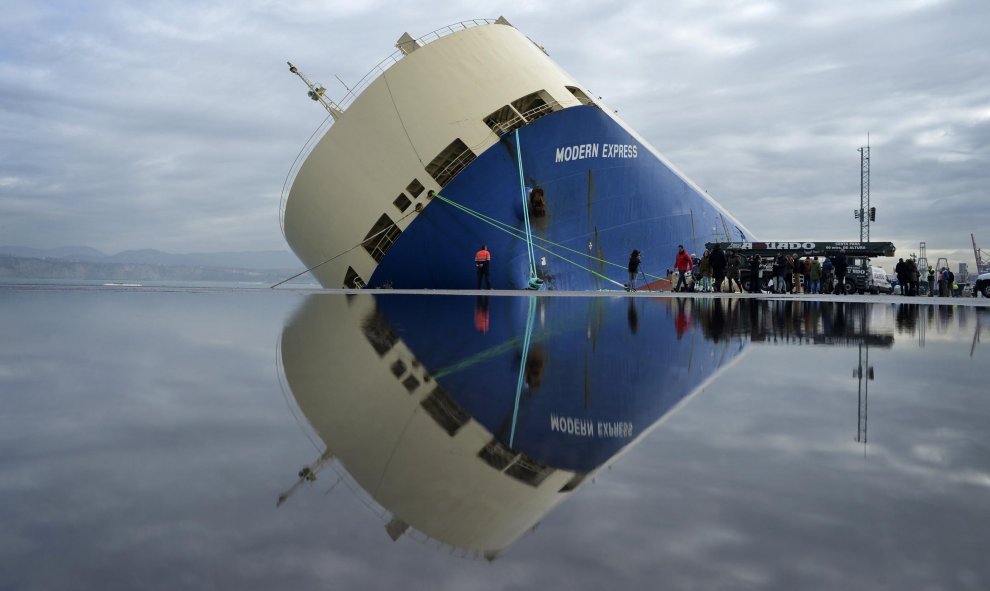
{"type": "Point", "coordinates": [318, 93]}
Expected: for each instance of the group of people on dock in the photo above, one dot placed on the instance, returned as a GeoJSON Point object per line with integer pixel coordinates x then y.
{"type": "Point", "coordinates": [791, 273]}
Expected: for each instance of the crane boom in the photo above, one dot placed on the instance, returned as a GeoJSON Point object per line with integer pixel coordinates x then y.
{"type": "Point", "coordinates": [982, 258]}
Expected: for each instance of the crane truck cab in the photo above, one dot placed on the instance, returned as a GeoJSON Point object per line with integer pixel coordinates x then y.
{"type": "Point", "coordinates": [859, 274]}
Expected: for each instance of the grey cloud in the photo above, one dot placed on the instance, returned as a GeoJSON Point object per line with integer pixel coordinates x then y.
{"type": "Point", "coordinates": [165, 120]}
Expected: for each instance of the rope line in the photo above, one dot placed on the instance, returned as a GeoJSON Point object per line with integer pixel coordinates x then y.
{"type": "Point", "coordinates": [515, 234]}
{"type": "Point", "coordinates": [340, 254]}
{"type": "Point", "coordinates": [522, 366]}
{"type": "Point", "coordinates": [502, 224]}
{"type": "Point", "coordinates": [525, 204]}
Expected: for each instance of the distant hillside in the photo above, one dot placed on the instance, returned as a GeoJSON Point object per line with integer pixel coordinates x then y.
{"type": "Point", "coordinates": [260, 260]}
{"type": "Point", "coordinates": [13, 267]}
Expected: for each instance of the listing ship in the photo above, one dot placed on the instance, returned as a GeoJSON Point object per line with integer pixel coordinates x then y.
{"type": "Point", "coordinates": [468, 436]}
{"type": "Point", "coordinates": [473, 136]}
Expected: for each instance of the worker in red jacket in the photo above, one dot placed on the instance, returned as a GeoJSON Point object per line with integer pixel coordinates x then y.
{"type": "Point", "coordinates": [683, 264]}
{"type": "Point", "coordinates": [482, 262]}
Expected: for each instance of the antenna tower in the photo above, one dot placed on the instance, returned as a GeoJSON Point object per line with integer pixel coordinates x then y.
{"type": "Point", "coordinates": [866, 214]}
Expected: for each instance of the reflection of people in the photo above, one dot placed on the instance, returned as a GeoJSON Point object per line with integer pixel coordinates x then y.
{"type": "Point", "coordinates": [633, 316]}
{"type": "Point", "coordinates": [683, 264]}
{"type": "Point", "coordinates": [481, 320]}
{"type": "Point", "coordinates": [482, 262]}
{"type": "Point", "coordinates": [634, 260]}
{"type": "Point", "coordinates": [681, 319]}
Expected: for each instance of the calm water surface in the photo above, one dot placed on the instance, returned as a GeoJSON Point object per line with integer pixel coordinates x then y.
{"type": "Point", "coordinates": [258, 439]}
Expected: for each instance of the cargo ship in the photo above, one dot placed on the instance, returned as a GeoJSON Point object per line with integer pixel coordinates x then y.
{"type": "Point", "coordinates": [472, 135]}
{"type": "Point", "coordinates": [470, 435]}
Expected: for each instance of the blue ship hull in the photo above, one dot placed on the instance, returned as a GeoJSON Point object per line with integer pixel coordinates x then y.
{"type": "Point", "coordinates": [598, 372]}
{"type": "Point", "coordinates": [605, 193]}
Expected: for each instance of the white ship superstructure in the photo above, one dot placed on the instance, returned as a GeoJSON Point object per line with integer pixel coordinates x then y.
{"type": "Point", "coordinates": [437, 111]}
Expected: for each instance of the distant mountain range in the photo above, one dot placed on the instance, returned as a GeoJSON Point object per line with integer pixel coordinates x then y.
{"type": "Point", "coordinates": [257, 260]}
{"type": "Point", "coordinates": [83, 262]}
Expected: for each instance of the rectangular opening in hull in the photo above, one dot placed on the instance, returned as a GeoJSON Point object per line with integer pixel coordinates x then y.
{"type": "Point", "coordinates": [580, 95]}
{"type": "Point", "coordinates": [504, 120]}
{"type": "Point", "coordinates": [452, 160]}
{"type": "Point", "coordinates": [445, 411]}
{"type": "Point", "coordinates": [535, 105]}
{"type": "Point", "coordinates": [415, 188]}
{"type": "Point", "coordinates": [517, 465]}
{"type": "Point", "coordinates": [402, 202]}
{"type": "Point", "coordinates": [381, 237]}
{"type": "Point", "coordinates": [352, 280]}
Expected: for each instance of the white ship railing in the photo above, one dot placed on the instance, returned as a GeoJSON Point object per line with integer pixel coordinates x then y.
{"type": "Point", "coordinates": [353, 93]}
{"type": "Point", "coordinates": [397, 55]}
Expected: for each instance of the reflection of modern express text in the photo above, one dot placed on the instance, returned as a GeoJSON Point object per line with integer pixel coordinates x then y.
{"type": "Point", "coordinates": [589, 428]}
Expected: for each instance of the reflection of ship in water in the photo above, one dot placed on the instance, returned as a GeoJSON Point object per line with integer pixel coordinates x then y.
{"type": "Point", "coordinates": [467, 420]}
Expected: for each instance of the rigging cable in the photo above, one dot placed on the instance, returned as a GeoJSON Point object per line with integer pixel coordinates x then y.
{"type": "Point", "coordinates": [342, 253]}
{"type": "Point", "coordinates": [515, 233]}
{"type": "Point", "coordinates": [522, 365]}
{"type": "Point", "coordinates": [534, 281]}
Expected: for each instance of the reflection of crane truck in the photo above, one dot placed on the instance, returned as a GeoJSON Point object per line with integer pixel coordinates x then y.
{"type": "Point", "coordinates": [859, 277]}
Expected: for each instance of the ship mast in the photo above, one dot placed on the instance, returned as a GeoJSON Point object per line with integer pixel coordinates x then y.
{"type": "Point", "coordinates": [318, 94]}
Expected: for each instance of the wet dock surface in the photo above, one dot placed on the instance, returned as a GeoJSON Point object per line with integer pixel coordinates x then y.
{"type": "Point", "coordinates": [253, 438]}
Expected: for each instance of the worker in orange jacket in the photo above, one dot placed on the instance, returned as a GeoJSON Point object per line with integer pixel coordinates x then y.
{"type": "Point", "coordinates": [482, 262]}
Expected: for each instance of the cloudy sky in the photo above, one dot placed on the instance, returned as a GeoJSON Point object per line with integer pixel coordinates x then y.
{"type": "Point", "coordinates": [171, 125]}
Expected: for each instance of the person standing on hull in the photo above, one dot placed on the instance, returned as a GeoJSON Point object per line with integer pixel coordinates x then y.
{"type": "Point", "coordinates": [841, 265]}
{"type": "Point", "coordinates": [634, 260]}
{"type": "Point", "coordinates": [482, 263]}
{"type": "Point", "coordinates": [683, 264]}
{"type": "Point", "coordinates": [718, 263]}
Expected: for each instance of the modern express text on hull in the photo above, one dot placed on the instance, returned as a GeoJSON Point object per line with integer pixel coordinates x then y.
{"type": "Point", "coordinates": [472, 135]}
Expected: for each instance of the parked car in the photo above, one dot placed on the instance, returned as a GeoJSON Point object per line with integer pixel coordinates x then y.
{"type": "Point", "coordinates": [982, 286]}
{"type": "Point", "coordinates": [879, 282]}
